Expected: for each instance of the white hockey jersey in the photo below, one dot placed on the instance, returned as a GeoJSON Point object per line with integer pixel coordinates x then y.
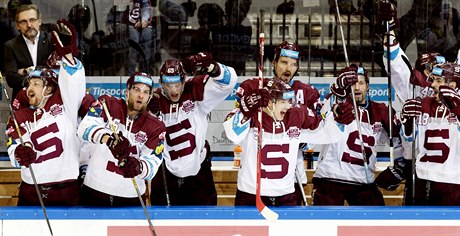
{"type": "Point", "coordinates": [145, 134]}
{"type": "Point", "coordinates": [186, 121]}
{"type": "Point", "coordinates": [52, 130]}
{"type": "Point", "coordinates": [343, 161]}
{"type": "Point", "coordinates": [437, 143]}
{"type": "Point", "coordinates": [280, 146]}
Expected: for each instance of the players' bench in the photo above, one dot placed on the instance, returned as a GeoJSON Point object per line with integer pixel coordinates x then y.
{"type": "Point", "coordinates": [225, 181]}
{"type": "Point", "coordinates": [224, 178]}
{"type": "Point", "coordinates": [9, 184]}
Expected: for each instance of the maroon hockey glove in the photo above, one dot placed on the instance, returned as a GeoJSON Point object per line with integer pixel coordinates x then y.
{"type": "Point", "coordinates": [25, 155]}
{"type": "Point", "coordinates": [120, 147]}
{"type": "Point", "coordinates": [392, 176]}
{"type": "Point", "coordinates": [132, 168]}
{"type": "Point", "coordinates": [450, 98]}
{"type": "Point", "coordinates": [427, 61]}
{"type": "Point", "coordinates": [64, 38]}
{"type": "Point", "coordinates": [201, 63]}
{"type": "Point", "coordinates": [250, 104]}
{"type": "Point", "coordinates": [411, 109]}
{"type": "Point", "coordinates": [387, 12]}
{"type": "Point", "coordinates": [347, 77]}
{"type": "Point", "coordinates": [343, 112]}
{"type": "Point", "coordinates": [154, 104]}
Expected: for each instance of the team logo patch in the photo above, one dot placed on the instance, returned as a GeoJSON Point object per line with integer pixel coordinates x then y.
{"type": "Point", "coordinates": [140, 137]}
{"type": "Point", "coordinates": [377, 127]}
{"type": "Point", "coordinates": [56, 109]}
{"type": "Point", "coordinates": [9, 130]}
{"type": "Point", "coordinates": [188, 106]}
{"type": "Point", "coordinates": [293, 132]}
{"type": "Point", "coordinates": [452, 119]}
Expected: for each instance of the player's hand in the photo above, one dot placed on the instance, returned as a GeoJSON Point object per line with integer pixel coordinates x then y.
{"type": "Point", "coordinates": [392, 176]}
{"type": "Point", "coordinates": [427, 61]}
{"type": "Point", "coordinates": [387, 12]}
{"type": "Point", "coordinates": [154, 104]}
{"type": "Point", "coordinates": [132, 168]}
{"type": "Point", "coordinates": [250, 104]}
{"type": "Point", "coordinates": [25, 155]}
{"type": "Point", "coordinates": [120, 147]}
{"type": "Point", "coordinates": [450, 98]}
{"type": "Point", "coordinates": [64, 38]}
{"type": "Point", "coordinates": [347, 77]}
{"type": "Point", "coordinates": [201, 63]}
{"type": "Point", "coordinates": [343, 112]}
{"type": "Point", "coordinates": [411, 109]}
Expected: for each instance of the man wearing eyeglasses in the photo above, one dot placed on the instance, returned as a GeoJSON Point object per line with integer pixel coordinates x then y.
{"type": "Point", "coordinates": [28, 50]}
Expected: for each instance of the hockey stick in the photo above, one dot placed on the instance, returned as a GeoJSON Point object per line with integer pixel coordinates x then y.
{"type": "Point", "coordinates": [32, 174]}
{"type": "Point", "coordinates": [135, 45]}
{"type": "Point", "coordinates": [264, 210]}
{"type": "Point", "coordinates": [139, 195]}
{"type": "Point", "coordinates": [355, 107]}
{"type": "Point", "coordinates": [168, 202]}
{"type": "Point", "coordinates": [414, 156]}
{"type": "Point", "coordinates": [299, 182]}
{"type": "Point", "coordinates": [390, 106]}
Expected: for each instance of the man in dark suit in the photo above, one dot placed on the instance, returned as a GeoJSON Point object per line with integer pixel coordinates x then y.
{"type": "Point", "coordinates": [28, 50]}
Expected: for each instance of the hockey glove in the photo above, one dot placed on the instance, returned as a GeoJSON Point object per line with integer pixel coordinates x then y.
{"type": "Point", "coordinates": [64, 38]}
{"type": "Point", "coordinates": [120, 147]}
{"type": "Point", "coordinates": [347, 78]}
{"type": "Point", "coordinates": [427, 61]}
{"type": "Point", "coordinates": [132, 168]}
{"type": "Point", "coordinates": [201, 63]}
{"type": "Point", "coordinates": [25, 155]}
{"type": "Point", "coordinates": [251, 103]}
{"type": "Point", "coordinates": [450, 98]}
{"type": "Point", "coordinates": [387, 13]}
{"type": "Point", "coordinates": [392, 176]}
{"type": "Point", "coordinates": [411, 109]}
{"type": "Point", "coordinates": [343, 112]}
{"type": "Point", "coordinates": [154, 104]}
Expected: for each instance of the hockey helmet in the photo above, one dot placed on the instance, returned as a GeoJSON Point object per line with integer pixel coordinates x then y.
{"type": "Point", "coordinates": [278, 89]}
{"type": "Point", "coordinates": [140, 77]}
{"type": "Point", "coordinates": [172, 71]}
{"type": "Point", "coordinates": [48, 75]}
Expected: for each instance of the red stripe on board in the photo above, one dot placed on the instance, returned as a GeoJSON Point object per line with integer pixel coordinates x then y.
{"type": "Point", "coordinates": [189, 230]}
{"type": "Point", "coordinates": [398, 230]}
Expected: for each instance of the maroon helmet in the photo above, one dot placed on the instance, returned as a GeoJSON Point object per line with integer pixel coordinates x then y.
{"type": "Point", "coordinates": [287, 49]}
{"type": "Point", "coordinates": [428, 61]}
{"type": "Point", "coordinates": [48, 75]}
{"type": "Point", "coordinates": [172, 71]}
{"type": "Point", "coordinates": [449, 71]}
{"type": "Point", "coordinates": [140, 77]}
{"type": "Point", "coordinates": [278, 89]}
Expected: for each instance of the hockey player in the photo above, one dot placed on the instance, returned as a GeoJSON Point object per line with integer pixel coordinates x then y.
{"type": "Point", "coordinates": [48, 127]}
{"type": "Point", "coordinates": [183, 106]}
{"type": "Point", "coordinates": [342, 174]}
{"type": "Point", "coordinates": [284, 128]}
{"type": "Point", "coordinates": [437, 138]}
{"type": "Point", "coordinates": [138, 145]}
{"type": "Point", "coordinates": [286, 63]}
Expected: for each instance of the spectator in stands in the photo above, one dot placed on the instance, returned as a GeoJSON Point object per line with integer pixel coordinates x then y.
{"type": "Point", "coordinates": [28, 50]}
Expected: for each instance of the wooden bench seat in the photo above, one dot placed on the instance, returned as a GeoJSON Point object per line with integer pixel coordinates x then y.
{"type": "Point", "coordinates": [225, 181]}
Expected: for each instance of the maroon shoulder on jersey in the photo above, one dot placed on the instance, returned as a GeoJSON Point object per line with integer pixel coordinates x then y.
{"type": "Point", "coordinates": [310, 94]}
{"type": "Point", "coordinates": [116, 107]}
